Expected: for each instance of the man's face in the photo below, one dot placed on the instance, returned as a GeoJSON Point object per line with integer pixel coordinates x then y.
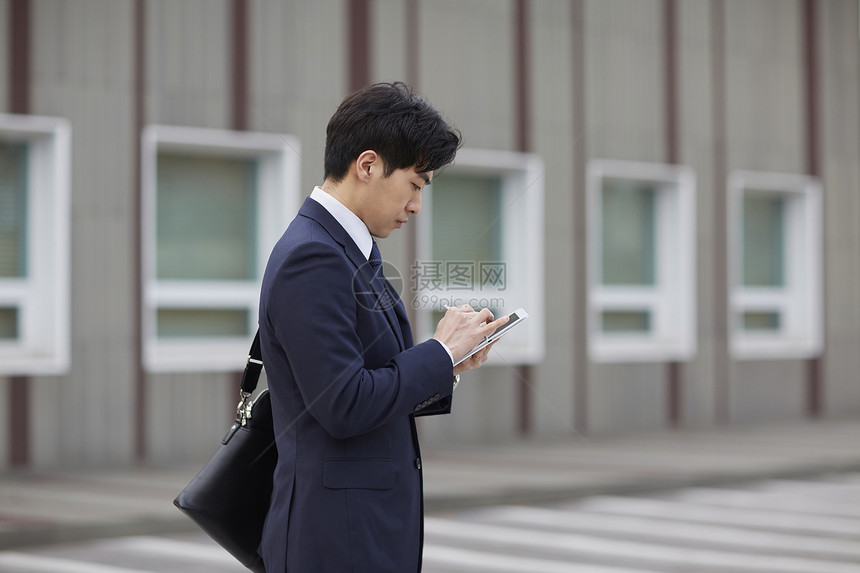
{"type": "Point", "coordinates": [389, 201]}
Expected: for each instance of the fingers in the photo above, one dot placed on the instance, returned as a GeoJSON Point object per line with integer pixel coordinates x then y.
{"type": "Point", "coordinates": [475, 361]}
{"type": "Point", "coordinates": [492, 326]}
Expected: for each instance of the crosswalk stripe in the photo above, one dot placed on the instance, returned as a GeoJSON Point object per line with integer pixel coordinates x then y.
{"type": "Point", "coordinates": [467, 561]}
{"type": "Point", "coordinates": [766, 500]}
{"type": "Point", "coordinates": [572, 544]}
{"type": "Point", "coordinates": [819, 488]}
{"type": "Point", "coordinates": [174, 548]}
{"type": "Point", "coordinates": [770, 519]}
{"type": "Point", "coordinates": [79, 497]}
{"type": "Point", "coordinates": [672, 531]}
{"type": "Point", "coordinates": [21, 562]}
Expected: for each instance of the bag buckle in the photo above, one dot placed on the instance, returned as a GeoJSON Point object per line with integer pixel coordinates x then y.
{"type": "Point", "coordinates": [243, 410]}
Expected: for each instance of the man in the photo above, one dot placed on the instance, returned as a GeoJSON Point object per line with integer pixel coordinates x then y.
{"type": "Point", "coordinates": [345, 379]}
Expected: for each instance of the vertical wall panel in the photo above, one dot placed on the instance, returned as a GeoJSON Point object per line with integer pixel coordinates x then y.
{"type": "Point", "coordinates": [388, 37]}
{"type": "Point", "coordinates": [388, 53]}
{"type": "Point", "coordinates": [625, 108]}
{"type": "Point", "coordinates": [554, 141]}
{"type": "Point", "coordinates": [764, 86]}
{"type": "Point", "coordinates": [188, 62]}
{"type": "Point", "coordinates": [81, 72]}
{"type": "Point", "coordinates": [298, 73]}
{"type": "Point", "coordinates": [467, 73]}
{"type": "Point", "coordinates": [625, 79]}
{"type": "Point", "coordinates": [466, 67]}
{"type": "Point", "coordinates": [191, 406]}
{"type": "Point", "coordinates": [187, 84]}
{"type": "Point", "coordinates": [839, 76]}
{"type": "Point", "coordinates": [768, 391]}
{"type": "Point", "coordinates": [695, 122]}
{"type": "Point", "coordinates": [766, 114]}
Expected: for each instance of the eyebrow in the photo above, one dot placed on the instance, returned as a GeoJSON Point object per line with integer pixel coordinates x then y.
{"type": "Point", "coordinates": [425, 178]}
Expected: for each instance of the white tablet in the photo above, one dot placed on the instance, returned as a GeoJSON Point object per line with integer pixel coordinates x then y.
{"type": "Point", "coordinates": [515, 318]}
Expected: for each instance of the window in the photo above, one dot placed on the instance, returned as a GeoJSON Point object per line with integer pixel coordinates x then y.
{"type": "Point", "coordinates": [775, 265]}
{"type": "Point", "coordinates": [480, 242]}
{"type": "Point", "coordinates": [34, 245]}
{"type": "Point", "coordinates": [214, 204]}
{"type": "Point", "coordinates": [641, 241]}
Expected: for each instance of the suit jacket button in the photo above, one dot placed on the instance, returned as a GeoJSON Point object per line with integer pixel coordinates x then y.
{"type": "Point", "coordinates": [418, 463]}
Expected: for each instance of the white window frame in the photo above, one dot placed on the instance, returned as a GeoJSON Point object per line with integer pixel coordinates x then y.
{"type": "Point", "coordinates": [671, 301]}
{"type": "Point", "coordinates": [800, 302]}
{"type": "Point", "coordinates": [278, 201]}
{"type": "Point", "coordinates": [523, 245]}
{"type": "Point", "coordinates": [42, 297]}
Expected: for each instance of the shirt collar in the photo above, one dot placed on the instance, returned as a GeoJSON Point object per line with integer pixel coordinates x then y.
{"type": "Point", "coordinates": [350, 222]}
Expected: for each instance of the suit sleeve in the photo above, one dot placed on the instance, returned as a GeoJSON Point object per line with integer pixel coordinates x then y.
{"type": "Point", "coordinates": [313, 312]}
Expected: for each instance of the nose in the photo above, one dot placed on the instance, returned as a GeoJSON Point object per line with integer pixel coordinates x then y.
{"type": "Point", "coordinates": [414, 206]}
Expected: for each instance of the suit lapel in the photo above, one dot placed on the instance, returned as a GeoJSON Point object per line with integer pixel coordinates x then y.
{"type": "Point", "coordinates": [318, 213]}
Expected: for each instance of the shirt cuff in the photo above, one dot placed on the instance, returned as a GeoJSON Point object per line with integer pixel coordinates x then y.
{"type": "Point", "coordinates": [448, 350]}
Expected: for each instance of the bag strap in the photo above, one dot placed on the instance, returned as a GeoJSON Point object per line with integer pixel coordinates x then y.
{"type": "Point", "coordinates": [250, 377]}
{"type": "Point", "coordinates": [253, 366]}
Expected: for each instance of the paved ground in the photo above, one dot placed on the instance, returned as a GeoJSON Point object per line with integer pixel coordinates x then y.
{"type": "Point", "coordinates": [766, 526]}
{"type": "Point", "coordinates": [71, 506]}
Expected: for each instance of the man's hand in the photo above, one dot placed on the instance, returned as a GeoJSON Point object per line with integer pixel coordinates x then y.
{"type": "Point", "coordinates": [461, 329]}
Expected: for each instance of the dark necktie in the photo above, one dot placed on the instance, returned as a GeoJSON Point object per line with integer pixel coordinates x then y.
{"type": "Point", "coordinates": [375, 261]}
{"type": "Point", "coordinates": [378, 279]}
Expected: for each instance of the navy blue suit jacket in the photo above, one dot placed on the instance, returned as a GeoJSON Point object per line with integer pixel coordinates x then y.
{"type": "Point", "coordinates": [346, 383]}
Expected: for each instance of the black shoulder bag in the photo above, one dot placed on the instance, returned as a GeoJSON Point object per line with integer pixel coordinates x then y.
{"type": "Point", "coordinates": [230, 496]}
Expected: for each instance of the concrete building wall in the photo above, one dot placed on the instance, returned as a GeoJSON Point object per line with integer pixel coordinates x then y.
{"type": "Point", "coordinates": [740, 101]}
{"type": "Point", "coordinates": [476, 50]}
{"type": "Point", "coordinates": [765, 132]}
{"type": "Point", "coordinates": [839, 150]}
{"type": "Point", "coordinates": [555, 141]}
{"type": "Point", "coordinates": [188, 56]}
{"type": "Point", "coordinates": [625, 110]}
{"type": "Point", "coordinates": [696, 148]}
{"type": "Point", "coordinates": [81, 72]}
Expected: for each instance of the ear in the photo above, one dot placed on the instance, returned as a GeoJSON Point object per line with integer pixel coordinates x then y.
{"type": "Point", "coordinates": [365, 164]}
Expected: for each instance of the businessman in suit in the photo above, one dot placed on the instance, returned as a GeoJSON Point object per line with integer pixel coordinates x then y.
{"type": "Point", "coordinates": [345, 378]}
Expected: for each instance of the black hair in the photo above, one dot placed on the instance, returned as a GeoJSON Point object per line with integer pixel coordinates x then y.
{"type": "Point", "coordinates": [399, 125]}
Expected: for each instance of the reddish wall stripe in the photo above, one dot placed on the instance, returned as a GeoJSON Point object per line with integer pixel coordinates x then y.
{"type": "Point", "coordinates": [19, 421]}
{"type": "Point", "coordinates": [722, 382]}
{"type": "Point", "coordinates": [140, 394]}
{"type": "Point", "coordinates": [579, 247]}
{"type": "Point", "coordinates": [670, 34]}
{"type": "Point", "coordinates": [19, 78]}
{"type": "Point", "coordinates": [239, 84]}
{"type": "Point", "coordinates": [674, 379]}
{"type": "Point", "coordinates": [525, 373]}
{"type": "Point", "coordinates": [19, 56]}
{"type": "Point", "coordinates": [239, 80]}
{"type": "Point", "coordinates": [411, 41]}
{"type": "Point", "coordinates": [358, 59]}
{"type": "Point", "coordinates": [815, 375]}
{"type": "Point", "coordinates": [522, 80]}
